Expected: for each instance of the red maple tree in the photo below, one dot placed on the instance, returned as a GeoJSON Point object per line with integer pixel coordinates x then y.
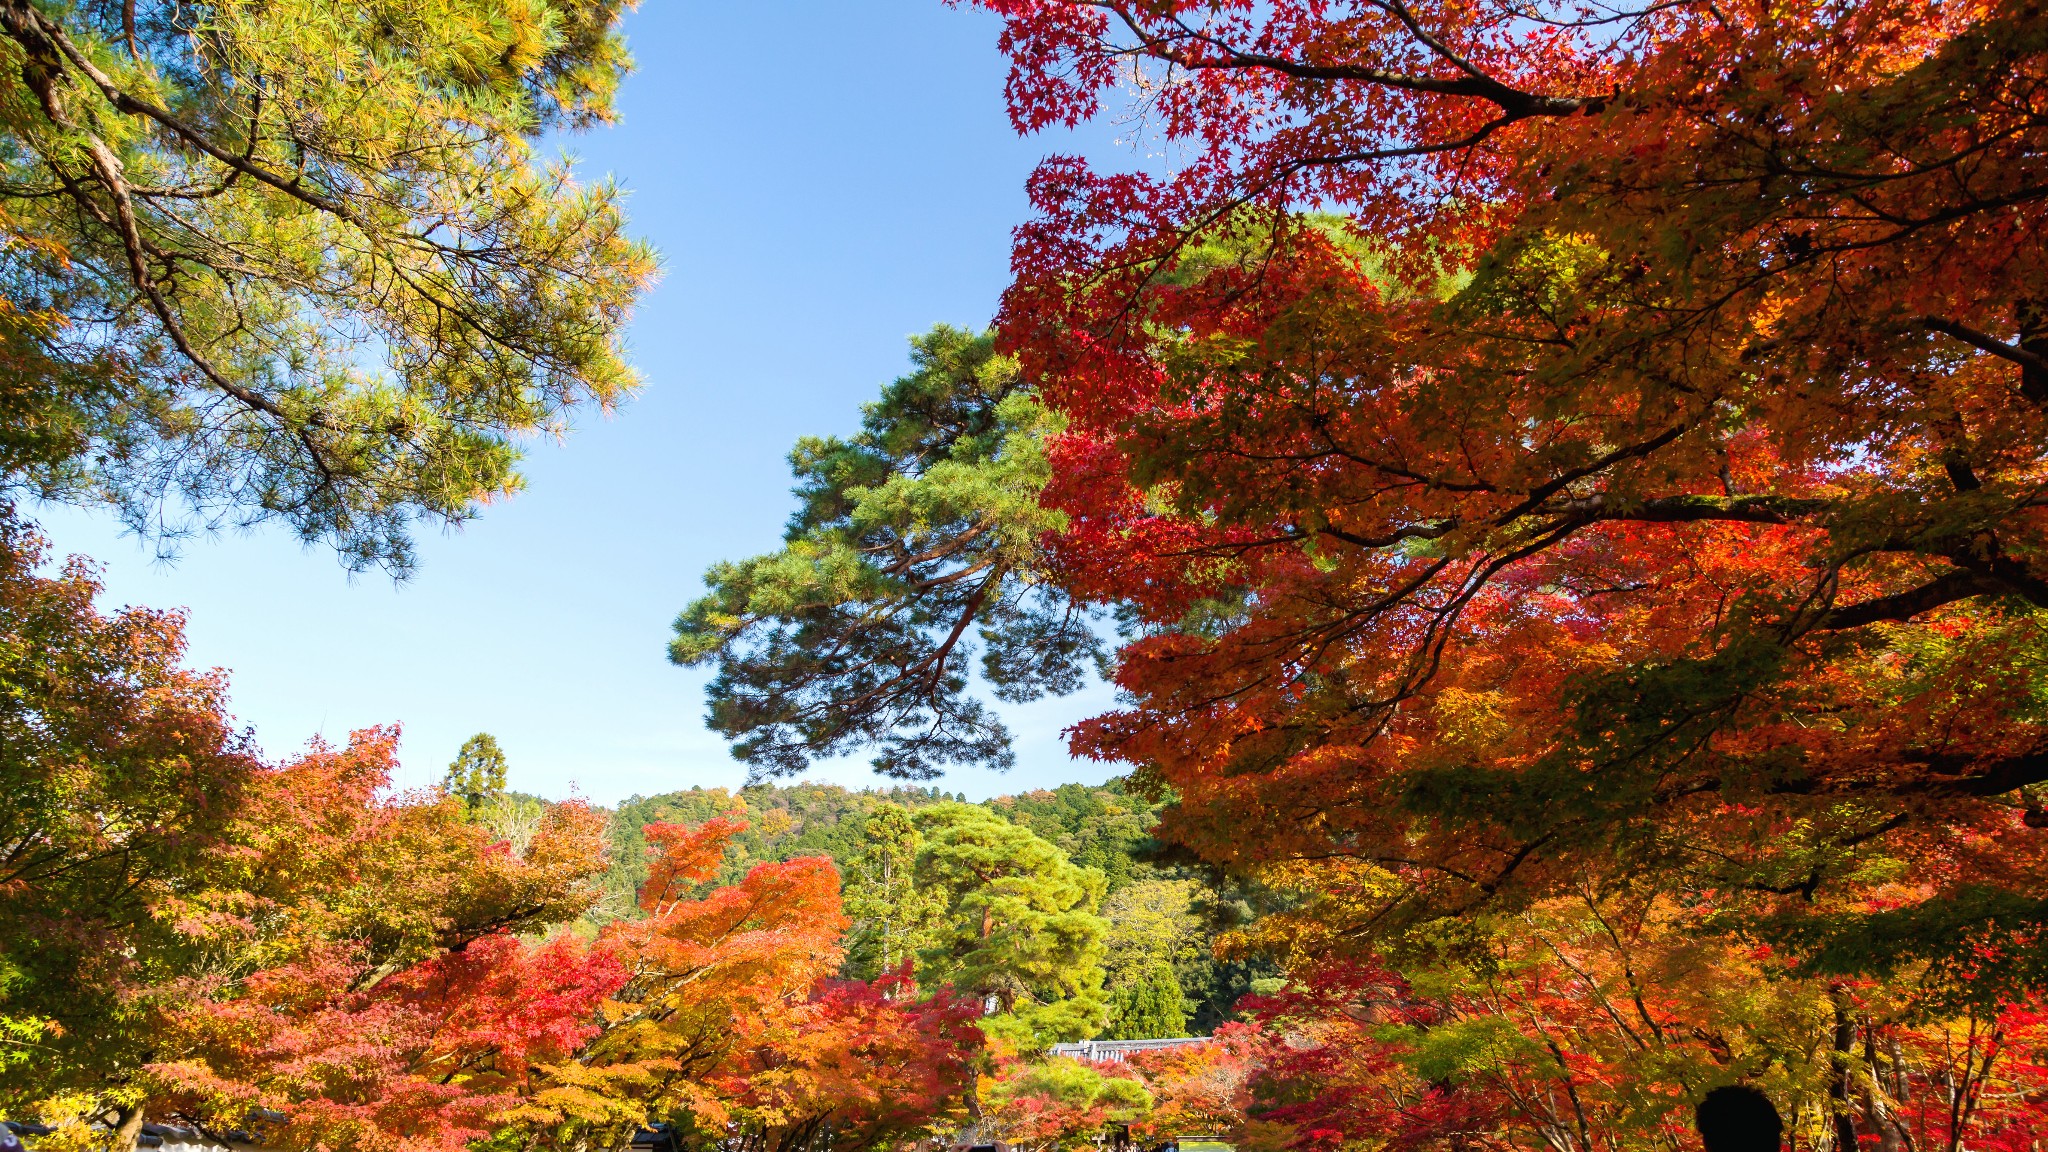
{"type": "Point", "coordinates": [857, 1065]}
{"type": "Point", "coordinates": [367, 982]}
{"type": "Point", "coordinates": [1531, 438]}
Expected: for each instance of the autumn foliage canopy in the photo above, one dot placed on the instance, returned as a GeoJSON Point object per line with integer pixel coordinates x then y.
{"type": "Point", "coordinates": [1562, 490]}
{"type": "Point", "coordinates": [1535, 440]}
{"type": "Point", "coordinates": [296, 953]}
{"type": "Point", "coordinates": [1567, 480]}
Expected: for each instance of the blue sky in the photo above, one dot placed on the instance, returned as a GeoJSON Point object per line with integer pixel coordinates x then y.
{"type": "Point", "coordinates": [823, 179]}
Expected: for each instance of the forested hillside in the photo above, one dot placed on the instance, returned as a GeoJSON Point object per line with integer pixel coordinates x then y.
{"type": "Point", "coordinates": [1163, 918]}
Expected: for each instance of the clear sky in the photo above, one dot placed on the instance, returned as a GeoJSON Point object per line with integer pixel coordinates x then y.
{"type": "Point", "coordinates": [823, 179]}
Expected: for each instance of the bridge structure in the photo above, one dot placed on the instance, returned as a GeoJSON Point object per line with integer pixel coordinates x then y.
{"type": "Point", "coordinates": [1117, 1051]}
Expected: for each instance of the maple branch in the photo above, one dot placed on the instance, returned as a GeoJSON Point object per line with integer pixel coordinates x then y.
{"type": "Point", "coordinates": [1534, 15]}
{"type": "Point", "coordinates": [1694, 509]}
{"type": "Point", "coordinates": [1588, 510]}
{"type": "Point", "coordinates": [1434, 530]}
{"type": "Point", "coordinates": [1993, 779]}
{"type": "Point", "coordinates": [1542, 493]}
{"type": "Point", "coordinates": [1942, 774]}
{"type": "Point", "coordinates": [1477, 137]}
{"type": "Point", "coordinates": [1815, 877]}
{"type": "Point", "coordinates": [1980, 571]}
{"type": "Point", "coordinates": [2013, 575]}
{"type": "Point", "coordinates": [1985, 341]}
{"type": "Point", "coordinates": [1475, 83]}
{"type": "Point", "coordinates": [1957, 585]}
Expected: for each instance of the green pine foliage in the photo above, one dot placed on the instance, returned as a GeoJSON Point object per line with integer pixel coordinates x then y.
{"type": "Point", "coordinates": [1017, 924]}
{"type": "Point", "coordinates": [303, 261]}
{"type": "Point", "coordinates": [913, 539]}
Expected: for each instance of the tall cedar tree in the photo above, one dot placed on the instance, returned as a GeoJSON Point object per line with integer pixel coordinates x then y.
{"type": "Point", "coordinates": [300, 262]}
{"type": "Point", "coordinates": [477, 773]}
{"type": "Point", "coordinates": [892, 917]}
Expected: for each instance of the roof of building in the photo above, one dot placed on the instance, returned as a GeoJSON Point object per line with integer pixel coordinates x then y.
{"type": "Point", "coordinates": [1115, 1051]}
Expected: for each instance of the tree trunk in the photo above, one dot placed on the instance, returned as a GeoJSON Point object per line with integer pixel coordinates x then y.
{"type": "Point", "coordinates": [2033, 323]}
{"type": "Point", "coordinates": [127, 1127]}
{"type": "Point", "coordinates": [1838, 1087]}
{"type": "Point", "coordinates": [1892, 1135]}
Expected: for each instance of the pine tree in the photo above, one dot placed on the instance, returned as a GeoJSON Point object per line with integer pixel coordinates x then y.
{"type": "Point", "coordinates": [1020, 926]}
{"type": "Point", "coordinates": [298, 260]}
{"type": "Point", "coordinates": [924, 527]}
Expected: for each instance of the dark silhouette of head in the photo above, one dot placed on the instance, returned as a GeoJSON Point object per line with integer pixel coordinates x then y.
{"type": "Point", "coordinates": [1738, 1119]}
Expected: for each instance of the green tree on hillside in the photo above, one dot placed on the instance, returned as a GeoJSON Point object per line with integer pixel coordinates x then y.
{"type": "Point", "coordinates": [784, 821]}
{"type": "Point", "coordinates": [1155, 911]}
{"type": "Point", "coordinates": [894, 918]}
{"type": "Point", "coordinates": [1158, 946]}
{"type": "Point", "coordinates": [1101, 827]}
{"type": "Point", "coordinates": [1020, 926]}
{"type": "Point", "coordinates": [478, 771]}
{"type": "Point", "coordinates": [1148, 1005]}
{"type": "Point", "coordinates": [298, 260]}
